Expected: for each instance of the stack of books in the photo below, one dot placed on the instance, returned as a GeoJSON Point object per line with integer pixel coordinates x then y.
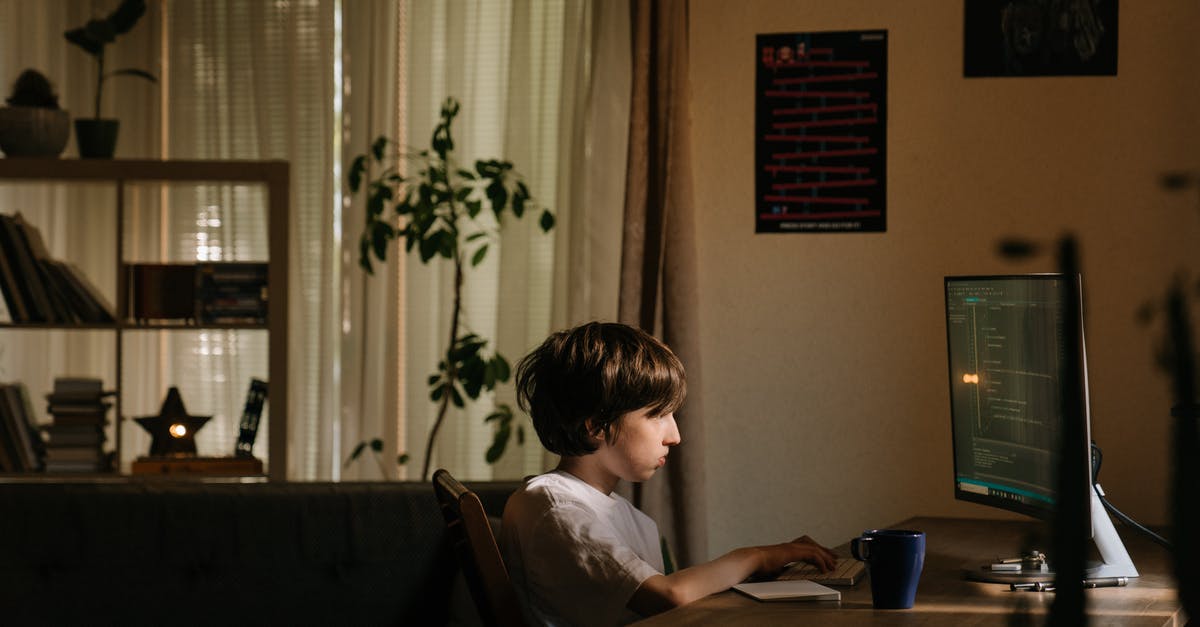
{"type": "Point", "coordinates": [75, 435]}
{"type": "Point", "coordinates": [21, 448]}
{"type": "Point", "coordinates": [231, 292]}
{"type": "Point", "coordinates": [38, 288]}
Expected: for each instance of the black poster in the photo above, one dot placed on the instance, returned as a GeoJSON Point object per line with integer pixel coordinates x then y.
{"type": "Point", "coordinates": [821, 132]}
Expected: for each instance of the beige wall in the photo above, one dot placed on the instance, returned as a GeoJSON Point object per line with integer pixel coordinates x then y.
{"type": "Point", "coordinates": [825, 360]}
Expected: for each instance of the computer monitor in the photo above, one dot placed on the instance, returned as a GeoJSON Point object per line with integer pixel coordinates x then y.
{"type": "Point", "coordinates": [1005, 336]}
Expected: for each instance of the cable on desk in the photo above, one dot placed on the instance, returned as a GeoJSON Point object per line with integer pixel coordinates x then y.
{"type": "Point", "coordinates": [1097, 459]}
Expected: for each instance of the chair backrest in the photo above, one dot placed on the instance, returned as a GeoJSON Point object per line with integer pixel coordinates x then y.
{"type": "Point", "coordinates": [475, 546]}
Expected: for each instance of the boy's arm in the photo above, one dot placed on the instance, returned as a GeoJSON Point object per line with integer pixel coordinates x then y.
{"type": "Point", "coordinates": [663, 592]}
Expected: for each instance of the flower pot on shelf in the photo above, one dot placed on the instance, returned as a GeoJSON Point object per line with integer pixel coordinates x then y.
{"type": "Point", "coordinates": [33, 131]}
{"type": "Point", "coordinates": [96, 138]}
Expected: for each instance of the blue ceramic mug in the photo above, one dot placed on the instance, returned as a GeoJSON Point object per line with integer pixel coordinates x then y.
{"type": "Point", "coordinates": [894, 560]}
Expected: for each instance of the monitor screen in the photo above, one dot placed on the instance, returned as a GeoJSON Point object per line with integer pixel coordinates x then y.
{"type": "Point", "coordinates": [1006, 349]}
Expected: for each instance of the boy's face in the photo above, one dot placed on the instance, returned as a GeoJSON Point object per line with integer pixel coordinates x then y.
{"type": "Point", "coordinates": [640, 447]}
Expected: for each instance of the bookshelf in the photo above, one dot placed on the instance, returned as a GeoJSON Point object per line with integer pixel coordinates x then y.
{"type": "Point", "coordinates": [120, 174]}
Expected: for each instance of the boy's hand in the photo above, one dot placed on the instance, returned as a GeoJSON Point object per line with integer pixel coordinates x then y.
{"type": "Point", "coordinates": [803, 549]}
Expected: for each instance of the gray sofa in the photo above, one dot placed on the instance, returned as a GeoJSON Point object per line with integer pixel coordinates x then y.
{"type": "Point", "coordinates": [158, 552]}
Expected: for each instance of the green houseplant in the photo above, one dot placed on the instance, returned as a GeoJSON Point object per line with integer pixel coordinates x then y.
{"type": "Point", "coordinates": [435, 211]}
{"type": "Point", "coordinates": [96, 136]}
{"type": "Point", "coordinates": [32, 125]}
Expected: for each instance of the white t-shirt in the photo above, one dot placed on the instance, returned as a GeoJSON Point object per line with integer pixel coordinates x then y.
{"type": "Point", "coordinates": [575, 554]}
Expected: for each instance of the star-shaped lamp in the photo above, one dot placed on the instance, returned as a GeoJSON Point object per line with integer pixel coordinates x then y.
{"type": "Point", "coordinates": [173, 430]}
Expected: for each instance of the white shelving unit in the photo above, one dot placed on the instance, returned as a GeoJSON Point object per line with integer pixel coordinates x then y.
{"type": "Point", "coordinates": [121, 173]}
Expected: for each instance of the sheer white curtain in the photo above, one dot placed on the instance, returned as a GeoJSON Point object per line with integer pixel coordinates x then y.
{"type": "Point", "coordinates": [545, 85]}
{"type": "Point", "coordinates": [255, 80]}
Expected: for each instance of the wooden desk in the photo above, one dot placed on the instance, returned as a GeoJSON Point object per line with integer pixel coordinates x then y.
{"type": "Point", "coordinates": [944, 597]}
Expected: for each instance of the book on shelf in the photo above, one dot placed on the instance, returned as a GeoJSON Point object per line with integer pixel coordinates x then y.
{"type": "Point", "coordinates": [74, 454]}
{"type": "Point", "coordinates": [25, 439]}
{"type": "Point", "coordinates": [97, 301]}
{"type": "Point", "coordinates": [79, 415]}
{"type": "Point", "coordinates": [83, 300]}
{"type": "Point", "coordinates": [10, 460]}
{"type": "Point", "coordinates": [251, 416]}
{"type": "Point", "coordinates": [104, 464]}
{"type": "Point", "coordinates": [60, 306]}
{"type": "Point", "coordinates": [13, 301]}
{"type": "Point", "coordinates": [68, 435]}
{"type": "Point", "coordinates": [77, 388]}
{"type": "Point", "coordinates": [161, 291]}
{"type": "Point", "coordinates": [34, 300]}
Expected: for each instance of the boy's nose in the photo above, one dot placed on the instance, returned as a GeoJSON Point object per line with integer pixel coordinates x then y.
{"type": "Point", "coordinates": [672, 436]}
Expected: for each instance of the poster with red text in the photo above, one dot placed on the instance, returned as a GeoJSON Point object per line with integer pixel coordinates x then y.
{"type": "Point", "coordinates": [821, 132]}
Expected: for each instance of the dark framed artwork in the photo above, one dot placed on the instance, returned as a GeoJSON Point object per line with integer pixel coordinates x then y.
{"type": "Point", "coordinates": [1039, 38]}
{"type": "Point", "coordinates": [821, 132]}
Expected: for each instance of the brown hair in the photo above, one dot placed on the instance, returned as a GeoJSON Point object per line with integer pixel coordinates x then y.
{"type": "Point", "coordinates": [580, 382]}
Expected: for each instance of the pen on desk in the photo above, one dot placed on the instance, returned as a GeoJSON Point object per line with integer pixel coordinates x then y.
{"type": "Point", "coordinates": [1036, 586]}
{"type": "Point", "coordinates": [1105, 582]}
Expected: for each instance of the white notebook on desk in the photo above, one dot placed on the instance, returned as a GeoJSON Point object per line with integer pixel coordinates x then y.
{"type": "Point", "coordinates": [794, 590]}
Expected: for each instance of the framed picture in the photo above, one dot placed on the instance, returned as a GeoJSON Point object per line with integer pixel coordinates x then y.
{"type": "Point", "coordinates": [1039, 38]}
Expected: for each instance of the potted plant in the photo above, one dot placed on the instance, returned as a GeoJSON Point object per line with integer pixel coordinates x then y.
{"type": "Point", "coordinates": [435, 211]}
{"type": "Point", "coordinates": [96, 136]}
{"type": "Point", "coordinates": [32, 125]}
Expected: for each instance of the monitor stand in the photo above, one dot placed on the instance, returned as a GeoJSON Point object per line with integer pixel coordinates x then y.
{"type": "Point", "coordinates": [1033, 566]}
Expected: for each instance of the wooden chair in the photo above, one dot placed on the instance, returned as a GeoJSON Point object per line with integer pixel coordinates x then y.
{"type": "Point", "coordinates": [475, 546]}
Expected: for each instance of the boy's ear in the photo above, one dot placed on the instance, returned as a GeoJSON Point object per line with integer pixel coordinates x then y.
{"type": "Point", "coordinates": [594, 434]}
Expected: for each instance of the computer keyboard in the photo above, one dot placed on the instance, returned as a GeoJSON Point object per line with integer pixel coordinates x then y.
{"type": "Point", "coordinates": [847, 571]}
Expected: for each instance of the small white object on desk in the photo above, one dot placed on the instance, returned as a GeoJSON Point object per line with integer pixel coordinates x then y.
{"type": "Point", "coordinates": [793, 590]}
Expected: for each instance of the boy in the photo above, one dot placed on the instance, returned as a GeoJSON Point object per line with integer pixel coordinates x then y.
{"type": "Point", "coordinates": [603, 396]}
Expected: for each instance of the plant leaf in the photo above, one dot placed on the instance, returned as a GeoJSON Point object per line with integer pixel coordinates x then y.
{"type": "Point", "coordinates": [381, 234]}
{"type": "Point", "coordinates": [447, 244]}
{"type": "Point", "coordinates": [499, 443]}
{"type": "Point", "coordinates": [378, 147]}
{"type": "Point", "coordinates": [357, 168]}
{"type": "Point", "coordinates": [79, 37]}
{"type": "Point", "coordinates": [364, 254]}
{"type": "Point", "coordinates": [498, 195]}
{"type": "Point", "coordinates": [547, 221]}
{"type": "Point", "coordinates": [126, 15]}
{"type": "Point", "coordinates": [489, 375]}
{"type": "Point", "coordinates": [428, 248]}
{"type": "Point", "coordinates": [479, 255]}
{"type": "Point", "coordinates": [502, 369]}
{"type": "Point", "coordinates": [377, 445]}
{"type": "Point", "coordinates": [133, 72]}
{"type": "Point", "coordinates": [402, 459]}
